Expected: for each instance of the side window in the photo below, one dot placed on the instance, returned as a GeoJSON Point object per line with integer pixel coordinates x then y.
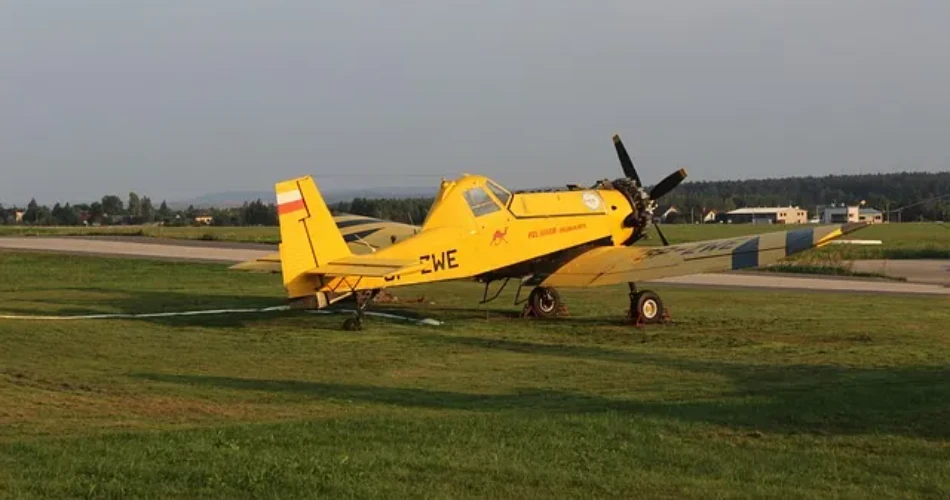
{"type": "Point", "coordinates": [499, 193]}
{"type": "Point", "coordinates": [479, 201]}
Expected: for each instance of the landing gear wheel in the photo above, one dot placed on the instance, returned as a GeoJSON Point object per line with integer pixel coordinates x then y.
{"type": "Point", "coordinates": [352, 324]}
{"type": "Point", "coordinates": [647, 307]}
{"type": "Point", "coordinates": [544, 301]}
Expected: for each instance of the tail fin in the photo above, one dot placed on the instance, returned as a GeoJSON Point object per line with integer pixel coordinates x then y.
{"type": "Point", "coordinates": [308, 235]}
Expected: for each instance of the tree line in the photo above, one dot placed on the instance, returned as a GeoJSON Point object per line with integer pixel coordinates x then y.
{"type": "Point", "coordinates": [908, 196]}
{"type": "Point", "coordinates": [113, 210]}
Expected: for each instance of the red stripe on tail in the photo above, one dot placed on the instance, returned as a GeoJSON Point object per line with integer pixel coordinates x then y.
{"type": "Point", "coordinates": [288, 207]}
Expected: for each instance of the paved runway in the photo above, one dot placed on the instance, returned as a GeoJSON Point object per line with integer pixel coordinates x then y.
{"type": "Point", "coordinates": [927, 277]}
{"type": "Point", "coordinates": [210, 251]}
{"type": "Point", "coordinates": [932, 271]}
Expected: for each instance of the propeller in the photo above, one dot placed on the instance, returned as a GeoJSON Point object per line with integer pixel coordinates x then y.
{"type": "Point", "coordinates": [662, 238]}
{"type": "Point", "coordinates": [644, 202]}
{"type": "Point", "coordinates": [667, 184]}
{"type": "Point", "coordinates": [625, 162]}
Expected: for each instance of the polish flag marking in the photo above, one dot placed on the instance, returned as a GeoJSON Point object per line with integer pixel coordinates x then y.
{"type": "Point", "coordinates": [289, 201]}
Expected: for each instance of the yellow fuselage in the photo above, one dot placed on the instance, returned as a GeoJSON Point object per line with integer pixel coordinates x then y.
{"type": "Point", "coordinates": [476, 227]}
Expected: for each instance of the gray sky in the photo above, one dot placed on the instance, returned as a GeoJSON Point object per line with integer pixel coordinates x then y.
{"type": "Point", "coordinates": [175, 98]}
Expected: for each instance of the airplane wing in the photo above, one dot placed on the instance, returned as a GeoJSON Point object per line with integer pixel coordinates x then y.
{"type": "Point", "coordinates": [611, 265]}
{"type": "Point", "coordinates": [362, 234]}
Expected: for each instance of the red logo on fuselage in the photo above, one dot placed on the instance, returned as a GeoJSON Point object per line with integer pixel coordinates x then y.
{"type": "Point", "coordinates": [499, 237]}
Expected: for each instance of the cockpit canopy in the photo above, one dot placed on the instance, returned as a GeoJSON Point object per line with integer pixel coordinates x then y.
{"type": "Point", "coordinates": [475, 194]}
{"type": "Point", "coordinates": [481, 202]}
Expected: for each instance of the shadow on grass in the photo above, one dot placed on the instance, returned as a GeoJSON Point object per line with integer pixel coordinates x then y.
{"type": "Point", "coordinates": [109, 301]}
{"type": "Point", "coordinates": [819, 400]}
{"type": "Point", "coordinates": [133, 302]}
{"type": "Point", "coordinates": [606, 317]}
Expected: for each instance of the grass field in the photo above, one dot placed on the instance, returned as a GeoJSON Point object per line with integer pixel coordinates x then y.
{"type": "Point", "coordinates": [900, 241]}
{"type": "Point", "coordinates": [747, 393]}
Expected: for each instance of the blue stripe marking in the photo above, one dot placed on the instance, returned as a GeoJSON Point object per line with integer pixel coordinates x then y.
{"type": "Point", "coordinates": [798, 240]}
{"type": "Point", "coordinates": [746, 254]}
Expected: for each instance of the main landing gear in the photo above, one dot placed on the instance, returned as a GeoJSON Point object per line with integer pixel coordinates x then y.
{"type": "Point", "coordinates": [544, 302]}
{"type": "Point", "coordinates": [646, 307]}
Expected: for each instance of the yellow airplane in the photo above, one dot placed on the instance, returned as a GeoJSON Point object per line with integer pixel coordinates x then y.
{"type": "Point", "coordinates": [478, 230]}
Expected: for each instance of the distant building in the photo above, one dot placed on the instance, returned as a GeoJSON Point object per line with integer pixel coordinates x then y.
{"type": "Point", "coordinates": [203, 219]}
{"type": "Point", "coordinates": [18, 216]}
{"type": "Point", "coordinates": [767, 215]}
{"type": "Point", "coordinates": [852, 213]}
{"type": "Point", "coordinates": [871, 215]}
{"type": "Point", "coordinates": [709, 216]}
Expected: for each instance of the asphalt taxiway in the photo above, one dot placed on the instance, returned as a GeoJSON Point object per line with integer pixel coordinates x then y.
{"type": "Point", "coordinates": [924, 277]}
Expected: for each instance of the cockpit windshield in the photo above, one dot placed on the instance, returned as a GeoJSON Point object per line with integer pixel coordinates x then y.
{"type": "Point", "coordinates": [501, 193]}
{"type": "Point", "coordinates": [479, 201]}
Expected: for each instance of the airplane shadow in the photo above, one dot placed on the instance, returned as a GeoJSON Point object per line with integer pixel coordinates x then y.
{"type": "Point", "coordinates": [609, 316]}
{"type": "Point", "coordinates": [95, 301]}
{"type": "Point", "coordinates": [821, 400]}
{"type": "Point", "coordinates": [91, 301]}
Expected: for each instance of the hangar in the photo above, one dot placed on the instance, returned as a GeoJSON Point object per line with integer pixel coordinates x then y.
{"type": "Point", "coordinates": [853, 213]}
{"type": "Point", "coordinates": [767, 215]}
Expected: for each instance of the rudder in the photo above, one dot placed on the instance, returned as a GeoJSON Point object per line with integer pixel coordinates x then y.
{"type": "Point", "coordinates": [309, 237]}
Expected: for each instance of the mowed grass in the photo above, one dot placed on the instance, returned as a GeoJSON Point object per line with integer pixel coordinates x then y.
{"type": "Point", "coordinates": [746, 393]}
{"type": "Point", "coordinates": [911, 240]}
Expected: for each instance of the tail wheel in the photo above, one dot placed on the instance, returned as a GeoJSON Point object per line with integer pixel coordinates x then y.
{"type": "Point", "coordinates": [545, 301]}
{"type": "Point", "coordinates": [649, 307]}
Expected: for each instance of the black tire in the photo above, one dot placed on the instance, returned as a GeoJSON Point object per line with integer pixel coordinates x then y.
{"type": "Point", "coordinates": [649, 307]}
{"type": "Point", "coordinates": [352, 324]}
{"type": "Point", "coordinates": [545, 301]}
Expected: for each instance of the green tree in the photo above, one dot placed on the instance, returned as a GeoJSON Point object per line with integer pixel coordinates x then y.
{"type": "Point", "coordinates": [65, 215]}
{"type": "Point", "coordinates": [135, 207]}
{"type": "Point", "coordinates": [164, 213]}
{"type": "Point", "coordinates": [256, 213]}
{"type": "Point", "coordinates": [147, 211]}
{"type": "Point", "coordinates": [111, 207]}
{"type": "Point", "coordinates": [32, 209]}
{"type": "Point", "coordinates": [96, 212]}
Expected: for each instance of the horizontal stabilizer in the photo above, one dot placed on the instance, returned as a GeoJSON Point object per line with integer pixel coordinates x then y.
{"type": "Point", "coordinates": [267, 263]}
{"type": "Point", "coordinates": [359, 265]}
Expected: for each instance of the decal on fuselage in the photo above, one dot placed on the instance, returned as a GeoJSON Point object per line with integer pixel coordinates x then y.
{"type": "Point", "coordinates": [498, 237]}
{"type": "Point", "coordinates": [548, 231]}
{"type": "Point", "coordinates": [440, 261]}
{"type": "Point", "coordinates": [592, 200]}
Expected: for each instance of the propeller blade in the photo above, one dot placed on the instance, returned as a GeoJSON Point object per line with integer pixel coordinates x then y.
{"type": "Point", "coordinates": [625, 162]}
{"type": "Point", "coordinates": [667, 184]}
{"type": "Point", "coordinates": [662, 238]}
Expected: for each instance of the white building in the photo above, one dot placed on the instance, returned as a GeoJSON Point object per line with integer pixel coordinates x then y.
{"type": "Point", "coordinates": [767, 215]}
{"type": "Point", "coordinates": [853, 213]}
